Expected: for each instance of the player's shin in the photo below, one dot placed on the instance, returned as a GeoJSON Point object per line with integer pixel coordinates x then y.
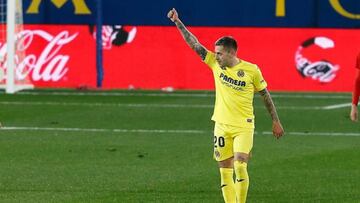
{"type": "Point", "coordinates": [241, 181]}
{"type": "Point", "coordinates": [227, 185]}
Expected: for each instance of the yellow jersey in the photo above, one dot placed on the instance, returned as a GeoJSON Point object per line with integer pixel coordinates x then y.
{"type": "Point", "coordinates": [235, 87]}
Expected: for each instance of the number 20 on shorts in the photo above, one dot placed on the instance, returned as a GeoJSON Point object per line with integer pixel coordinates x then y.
{"type": "Point", "coordinates": [219, 141]}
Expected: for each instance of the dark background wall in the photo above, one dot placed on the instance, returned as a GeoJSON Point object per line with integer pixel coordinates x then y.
{"type": "Point", "coordinates": [257, 13]}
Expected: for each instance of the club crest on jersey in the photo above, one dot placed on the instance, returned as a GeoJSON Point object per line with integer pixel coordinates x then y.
{"type": "Point", "coordinates": [241, 73]}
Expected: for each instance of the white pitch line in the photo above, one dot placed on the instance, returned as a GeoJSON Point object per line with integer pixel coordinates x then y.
{"type": "Point", "coordinates": [337, 106]}
{"type": "Point", "coordinates": [181, 94]}
{"type": "Point", "coordinates": [298, 107]}
{"type": "Point", "coordinates": [310, 96]}
{"type": "Point", "coordinates": [350, 134]}
{"type": "Point", "coordinates": [104, 130]}
{"type": "Point", "coordinates": [98, 104]}
{"type": "Point", "coordinates": [165, 131]}
{"type": "Point", "coordinates": [132, 94]}
{"type": "Point", "coordinates": [107, 104]}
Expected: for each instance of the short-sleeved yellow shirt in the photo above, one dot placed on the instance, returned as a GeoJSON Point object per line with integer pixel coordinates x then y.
{"type": "Point", "coordinates": [235, 87]}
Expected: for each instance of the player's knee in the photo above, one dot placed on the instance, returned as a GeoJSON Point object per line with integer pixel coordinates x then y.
{"type": "Point", "coordinates": [241, 157]}
{"type": "Point", "coordinates": [227, 163]}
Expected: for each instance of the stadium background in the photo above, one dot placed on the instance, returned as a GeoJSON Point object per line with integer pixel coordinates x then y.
{"type": "Point", "coordinates": [142, 49]}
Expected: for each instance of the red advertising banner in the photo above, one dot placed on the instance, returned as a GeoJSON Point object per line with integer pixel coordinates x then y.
{"type": "Point", "coordinates": [157, 57]}
{"type": "Point", "coordinates": [54, 56]}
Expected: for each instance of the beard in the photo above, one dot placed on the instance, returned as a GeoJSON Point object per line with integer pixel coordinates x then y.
{"type": "Point", "coordinates": [222, 65]}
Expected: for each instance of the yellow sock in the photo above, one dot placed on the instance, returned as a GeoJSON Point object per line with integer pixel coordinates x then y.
{"type": "Point", "coordinates": [227, 185]}
{"type": "Point", "coordinates": [241, 181]}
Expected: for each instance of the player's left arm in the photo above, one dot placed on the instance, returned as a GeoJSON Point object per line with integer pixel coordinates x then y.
{"type": "Point", "coordinates": [277, 128]}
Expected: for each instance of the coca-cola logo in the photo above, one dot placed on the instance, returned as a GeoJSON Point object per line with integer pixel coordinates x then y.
{"type": "Point", "coordinates": [49, 65]}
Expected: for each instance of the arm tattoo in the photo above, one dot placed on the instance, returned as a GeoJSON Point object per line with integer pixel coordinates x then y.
{"type": "Point", "coordinates": [191, 40]}
{"type": "Point", "coordinates": [269, 104]}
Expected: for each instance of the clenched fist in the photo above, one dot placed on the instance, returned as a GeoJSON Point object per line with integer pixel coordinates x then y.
{"type": "Point", "coordinates": [173, 15]}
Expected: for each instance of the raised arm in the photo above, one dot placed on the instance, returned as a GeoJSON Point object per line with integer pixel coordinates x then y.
{"type": "Point", "coordinates": [190, 39]}
{"type": "Point", "coordinates": [277, 128]}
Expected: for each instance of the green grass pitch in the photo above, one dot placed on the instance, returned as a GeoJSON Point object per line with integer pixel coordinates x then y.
{"type": "Point", "coordinates": [147, 146]}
